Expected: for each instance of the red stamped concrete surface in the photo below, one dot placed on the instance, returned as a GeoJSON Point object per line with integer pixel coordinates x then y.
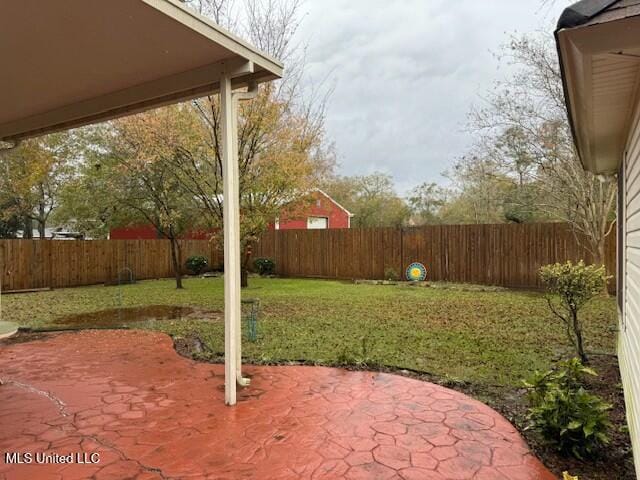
{"type": "Point", "coordinates": [152, 414]}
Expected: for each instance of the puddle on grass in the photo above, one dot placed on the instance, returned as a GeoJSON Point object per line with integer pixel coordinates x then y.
{"type": "Point", "coordinates": [138, 316]}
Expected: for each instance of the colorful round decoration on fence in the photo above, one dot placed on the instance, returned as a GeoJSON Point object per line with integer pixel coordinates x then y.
{"type": "Point", "coordinates": [416, 272]}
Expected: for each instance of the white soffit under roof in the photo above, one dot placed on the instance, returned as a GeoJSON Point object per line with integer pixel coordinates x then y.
{"type": "Point", "coordinates": [601, 64]}
{"type": "Point", "coordinates": [70, 63]}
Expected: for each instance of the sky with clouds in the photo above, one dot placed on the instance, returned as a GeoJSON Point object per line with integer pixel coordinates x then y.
{"type": "Point", "coordinates": [405, 74]}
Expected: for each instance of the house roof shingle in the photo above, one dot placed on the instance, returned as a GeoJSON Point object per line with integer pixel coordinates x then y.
{"type": "Point", "coordinates": [592, 12]}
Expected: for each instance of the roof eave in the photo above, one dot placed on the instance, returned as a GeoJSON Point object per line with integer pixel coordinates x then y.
{"type": "Point", "coordinates": [334, 201]}
{"type": "Point", "coordinates": [576, 24]}
{"type": "Point", "coordinates": [214, 32]}
{"type": "Point", "coordinates": [122, 103]}
{"type": "Point", "coordinates": [594, 157]}
{"type": "Point", "coordinates": [245, 65]}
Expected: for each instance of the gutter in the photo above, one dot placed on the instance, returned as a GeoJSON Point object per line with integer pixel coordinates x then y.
{"type": "Point", "coordinates": [567, 99]}
{"type": "Point", "coordinates": [250, 94]}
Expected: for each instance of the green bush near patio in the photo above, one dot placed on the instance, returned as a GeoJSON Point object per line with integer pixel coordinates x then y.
{"type": "Point", "coordinates": [574, 285]}
{"type": "Point", "coordinates": [567, 415]}
{"type": "Point", "coordinates": [487, 337]}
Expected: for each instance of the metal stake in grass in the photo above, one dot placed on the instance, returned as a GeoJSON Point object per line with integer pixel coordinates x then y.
{"type": "Point", "coordinates": [131, 280]}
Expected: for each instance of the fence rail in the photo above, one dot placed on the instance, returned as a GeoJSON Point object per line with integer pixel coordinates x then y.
{"type": "Point", "coordinates": [31, 264]}
{"type": "Point", "coordinates": [504, 255]}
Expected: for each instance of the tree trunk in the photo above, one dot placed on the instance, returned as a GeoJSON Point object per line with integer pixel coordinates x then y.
{"type": "Point", "coordinates": [599, 258]}
{"type": "Point", "coordinates": [175, 258]}
{"type": "Point", "coordinates": [27, 231]}
{"type": "Point", "coordinates": [244, 269]}
{"type": "Point", "coordinates": [41, 221]}
{"type": "Point", "coordinates": [577, 330]}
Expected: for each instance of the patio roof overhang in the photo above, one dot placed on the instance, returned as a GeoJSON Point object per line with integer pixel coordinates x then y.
{"type": "Point", "coordinates": [72, 63]}
{"type": "Point", "coordinates": [599, 50]}
{"type": "Point", "coordinates": [77, 62]}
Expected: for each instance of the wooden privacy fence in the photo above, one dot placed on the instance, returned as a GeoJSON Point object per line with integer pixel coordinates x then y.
{"type": "Point", "coordinates": [29, 264]}
{"type": "Point", "coordinates": [506, 255]}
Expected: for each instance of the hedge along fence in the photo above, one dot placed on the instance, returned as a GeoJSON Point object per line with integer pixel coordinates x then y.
{"type": "Point", "coordinates": [506, 255]}
{"type": "Point", "coordinates": [32, 264]}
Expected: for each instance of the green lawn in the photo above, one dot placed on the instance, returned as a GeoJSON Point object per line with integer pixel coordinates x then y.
{"type": "Point", "coordinates": [483, 337]}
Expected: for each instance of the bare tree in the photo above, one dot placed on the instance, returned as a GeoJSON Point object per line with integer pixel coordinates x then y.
{"type": "Point", "coordinates": [524, 124]}
{"type": "Point", "coordinates": [371, 198]}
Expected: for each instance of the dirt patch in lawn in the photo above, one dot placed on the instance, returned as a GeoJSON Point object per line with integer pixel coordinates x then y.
{"type": "Point", "coordinates": [136, 315]}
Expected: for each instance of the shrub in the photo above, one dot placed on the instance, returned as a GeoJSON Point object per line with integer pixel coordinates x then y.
{"type": "Point", "coordinates": [566, 415]}
{"type": "Point", "coordinates": [391, 274]}
{"type": "Point", "coordinates": [264, 266]}
{"type": "Point", "coordinates": [197, 264]}
{"type": "Point", "coordinates": [570, 287]}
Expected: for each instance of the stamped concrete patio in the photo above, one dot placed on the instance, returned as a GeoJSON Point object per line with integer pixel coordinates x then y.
{"type": "Point", "coordinates": [151, 414]}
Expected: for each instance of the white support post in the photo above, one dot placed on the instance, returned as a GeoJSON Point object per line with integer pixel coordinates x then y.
{"type": "Point", "coordinates": [237, 97]}
{"type": "Point", "coordinates": [238, 330]}
{"type": "Point", "coordinates": [231, 213]}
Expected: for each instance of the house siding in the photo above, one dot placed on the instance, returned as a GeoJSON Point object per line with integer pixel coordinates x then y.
{"type": "Point", "coordinates": [629, 338]}
{"type": "Point", "coordinates": [321, 206]}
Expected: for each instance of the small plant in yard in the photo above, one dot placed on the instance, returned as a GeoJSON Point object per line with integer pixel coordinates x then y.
{"type": "Point", "coordinates": [391, 274]}
{"type": "Point", "coordinates": [197, 264]}
{"type": "Point", "coordinates": [347, 359]}
{"type": "Point", "coordinates": [570, 287]}
{"type": "Point", "coordinates": [566, 415]}
{"type": "Point", "coordinates": [264, 266]}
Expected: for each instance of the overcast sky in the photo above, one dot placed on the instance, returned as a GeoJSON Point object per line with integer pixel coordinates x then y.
{"type": "Point", "coordinates": [406, 72]}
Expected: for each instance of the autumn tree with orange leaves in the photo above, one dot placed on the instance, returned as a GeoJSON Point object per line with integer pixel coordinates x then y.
{"type": "Point", "coordinates": [31, 179]}
{"type": "Point", "coordinates": [165, 166]}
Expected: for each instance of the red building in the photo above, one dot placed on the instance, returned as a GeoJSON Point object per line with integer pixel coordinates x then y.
{"type": "Point", "coordinates": [320, 211]}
